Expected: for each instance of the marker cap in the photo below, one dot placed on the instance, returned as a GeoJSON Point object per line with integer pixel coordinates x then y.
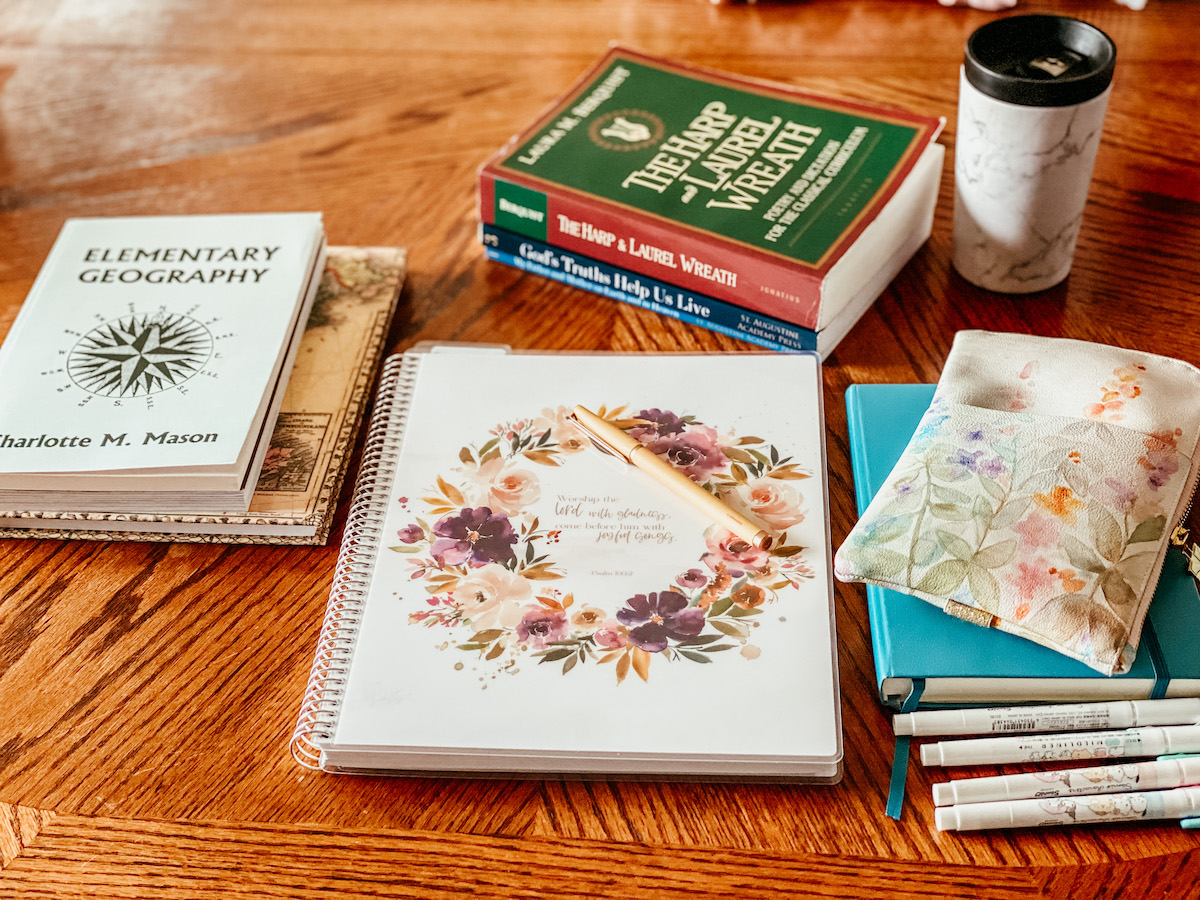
{"type": "Point", "coordinates": [946, 818]}
{"type": "Point", "coordinates": [944, 793]}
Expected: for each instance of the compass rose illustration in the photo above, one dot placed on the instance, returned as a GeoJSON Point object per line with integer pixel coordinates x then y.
{"type": "Point", "coordinates": [138, 355]}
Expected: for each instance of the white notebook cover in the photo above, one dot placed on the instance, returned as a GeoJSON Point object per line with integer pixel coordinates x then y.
{"type": "Point", "coordinates": [510, 600]}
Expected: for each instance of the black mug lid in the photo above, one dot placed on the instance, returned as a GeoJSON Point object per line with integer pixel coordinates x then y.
{"type": "Point", "coordinates": [1040, 60]}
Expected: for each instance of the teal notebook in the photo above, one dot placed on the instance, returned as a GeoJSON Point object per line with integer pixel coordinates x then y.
{"type": "Point", "coordinates": [924, 656]}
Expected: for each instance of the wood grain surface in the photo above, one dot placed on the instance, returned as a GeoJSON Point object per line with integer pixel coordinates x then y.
{"type": "Point", "coordinates": [148, 691]}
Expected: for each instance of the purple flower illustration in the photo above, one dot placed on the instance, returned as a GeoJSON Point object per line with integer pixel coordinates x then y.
{"type": "Point", "coordinates": [1123, 494]}
{"type": "Point", "coordinates": [993, 468]}
{"type": "Point", "coordinates": [692, 579]}
{"type": "Point", "coordinates": [658, 618]}
{"type": "Point", "coordinates": [473, 536]}
{"type": "Point", "coordinates": [410, 534]}
{"type": "Point", "coordinates": [694, 452]}
{"type": "Point", "coordinates": [539, 627]}
{"type": "Point", "coordinates": [965, 462]}
{"type": "Point", "coordinates": [659, 423]}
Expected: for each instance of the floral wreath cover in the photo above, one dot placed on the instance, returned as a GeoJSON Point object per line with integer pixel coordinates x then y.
{"type": "Point", "coordinates": [1053, 527]}
{"type": "Point", "coordinates": [488, 564]}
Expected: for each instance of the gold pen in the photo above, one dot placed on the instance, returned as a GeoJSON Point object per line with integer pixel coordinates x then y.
{"type": "Point", "coordinates": [610, 438]}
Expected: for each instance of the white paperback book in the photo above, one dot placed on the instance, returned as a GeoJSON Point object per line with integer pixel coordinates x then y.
{"type": "Point", "coordinates": [511, 601]}
{"type": "Point", "coordinates": [146, 367]}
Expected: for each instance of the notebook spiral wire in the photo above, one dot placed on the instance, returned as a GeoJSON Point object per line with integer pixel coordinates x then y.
{"type": "Point", "coordinates": [360, 544]}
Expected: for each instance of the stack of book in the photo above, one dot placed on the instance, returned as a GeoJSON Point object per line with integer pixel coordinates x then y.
{"type": "Point", "coordinates": [752, 209]}
{"type": "Point", "coordinates": [164, 385]}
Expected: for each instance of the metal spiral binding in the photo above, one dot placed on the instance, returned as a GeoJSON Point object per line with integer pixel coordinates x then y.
{"type": "Point", "coordinates": [360, 545]}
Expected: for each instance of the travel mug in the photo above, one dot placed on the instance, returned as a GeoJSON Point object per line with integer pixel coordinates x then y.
{"type": "Point", "coordinates": [1032, 94]}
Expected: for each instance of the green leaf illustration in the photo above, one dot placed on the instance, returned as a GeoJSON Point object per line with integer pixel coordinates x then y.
{"type": "Point", "coordinates": [1117, 591]}
{"type": "Point", "coordinates": [694, 656]}
{"type": "Point", "coordinates": [1077, 480]}
{"type": "Point", "coordinates": [879, 563]}
{"type": "Point", "coordinates": [903, 503]}
{"type": "Point", "coordinates": [1149, 530]}
{"type": "Point", "coordinates": [889, 528]}
{"type": "Point", "coordinates": [944, 578]}
{"type": "Point", "coordinates": [996, 555]}
{"type": "Point", "coordinates": [984, 588]}
{"type": "Point", "coordinates": [720, 608]}
{"type": "Point", "coordinates": [733, 629]}
{"type": "Point", "coordinates": [925, 551]}
{"type": "Point", "coordinates": [1106, 533]}
{"type": "Point", "coordinates": [739, 455]}
{"type": "Point", "coordinates": [994, 490]}
{"type": "Point", "coordinates": [1082, 556]}
{"type": "Point", "coordinates": [1010, 512]}
{"type": "Point", "coordinates": [955, 546]}
{"type": "Point", "coordinates": [949, 512]}
{"type": "Point", "coordinates": [700, 640]}
{"type": "Point", "coordinates": [944, 472]}
{"type": "Point", "coordinates": [950, 495]}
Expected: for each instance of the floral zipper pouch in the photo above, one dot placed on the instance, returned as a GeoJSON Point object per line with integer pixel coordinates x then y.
{"type": "Point", "coordinates": [1039, 492]}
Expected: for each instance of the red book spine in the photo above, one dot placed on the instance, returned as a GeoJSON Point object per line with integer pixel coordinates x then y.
{"type": "Point", "coordinates": [661, 249]}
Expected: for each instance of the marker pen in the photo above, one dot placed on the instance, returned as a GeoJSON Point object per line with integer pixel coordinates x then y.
{"type": "Point", "coordinates": [1163, 773]}
{"type": "Point", "coordinates": [1054, 717]}
{"type": "Point", "coordinates": [1085, 745]}
{"type": "Point", "coordinates": [1173, 804]}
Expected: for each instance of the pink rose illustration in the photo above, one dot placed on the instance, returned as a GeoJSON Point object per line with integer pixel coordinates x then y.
{"type": "Point", "coordinates": [774, 503]}
{"type": "Point", "coordinates": [492, 596]}
{"type": "Point", "coordinates": [540, 626]}
{"type": "Point", "coordinates": [727, 550]}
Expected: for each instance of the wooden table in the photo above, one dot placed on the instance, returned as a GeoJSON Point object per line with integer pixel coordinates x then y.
{"type": "Point", "coordinates": [148, 691]}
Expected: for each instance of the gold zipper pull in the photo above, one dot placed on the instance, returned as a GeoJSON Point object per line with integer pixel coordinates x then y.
{"type": "Point", "coordinates": [1180, 535]}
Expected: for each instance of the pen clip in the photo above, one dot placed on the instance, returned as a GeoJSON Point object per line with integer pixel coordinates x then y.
{"type": "Point", "coordinates": [598, 440]}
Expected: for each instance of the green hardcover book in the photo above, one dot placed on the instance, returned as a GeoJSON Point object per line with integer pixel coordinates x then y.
{"type": "Point", "coordinates": [758, 194]}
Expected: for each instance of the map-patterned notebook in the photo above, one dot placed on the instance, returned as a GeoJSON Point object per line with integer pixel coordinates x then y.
{"type": "Point", "coordinates": [305, 466]}
{"type": "Point", "coordinates": [509, 600]}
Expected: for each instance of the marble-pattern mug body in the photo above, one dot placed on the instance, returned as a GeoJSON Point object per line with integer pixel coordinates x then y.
{"type": "Point", "coordinates": [1021, 176]}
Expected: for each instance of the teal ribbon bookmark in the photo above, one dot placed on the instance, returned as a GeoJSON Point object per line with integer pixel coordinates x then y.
{"type": "Point", "coordinates": [895, 801]}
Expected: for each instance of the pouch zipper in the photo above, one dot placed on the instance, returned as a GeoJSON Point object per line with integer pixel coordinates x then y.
{"type": "Point", "coordinates": [1181, 534]}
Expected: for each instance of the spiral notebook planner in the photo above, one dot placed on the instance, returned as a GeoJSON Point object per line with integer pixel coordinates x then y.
{"type": "Point", "coordinates": [509, 601]}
